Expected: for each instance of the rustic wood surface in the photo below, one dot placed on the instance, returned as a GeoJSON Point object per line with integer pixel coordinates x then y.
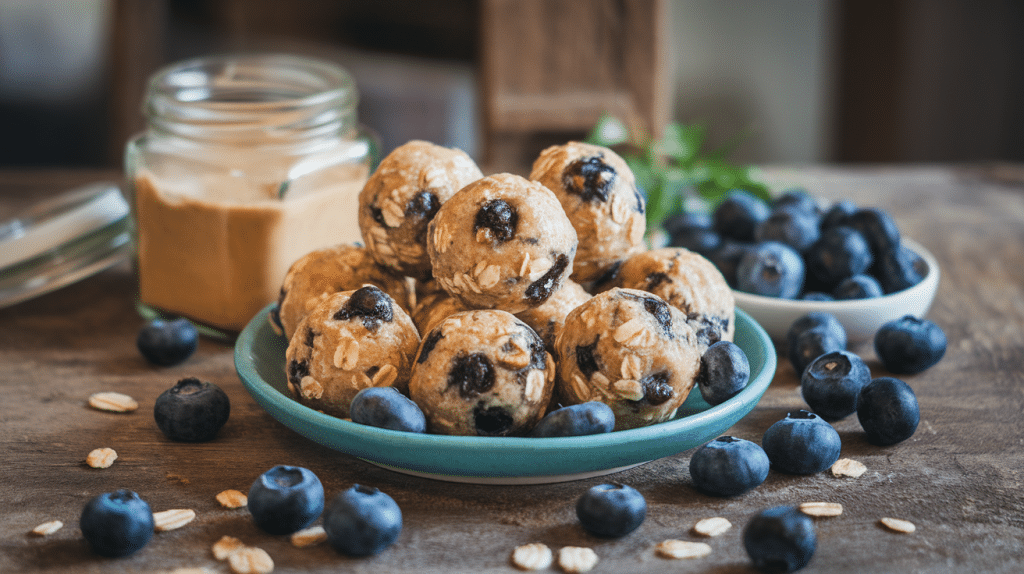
{"type": "Point", "coordinates": [958, 479]}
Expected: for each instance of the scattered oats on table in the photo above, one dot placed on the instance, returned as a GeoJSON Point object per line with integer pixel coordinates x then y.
{"type": "Point", "coordinates": [680, 549]}
{"type": "Point", "coordinates": [112, 402]}
{"type": "Point", "coordinates": [534, 556]}
{"type": "Point", "coordinates": [172, 519]}
{"type": "Point", "coordinates": [898, 525]}
{"type": "Point", "coordinates": [574, 559]}
{"type": "Point", "coordinates": [849, 468]}
{"type": "Point", "coordinates": [251, 560]}
{"type": "Point", "coordinates": [232, 499]}
{"type": "Point", "coordinates": [226, 546]}
{"type": "Point", "coordinates": [101, 458]}
{"type": "Point", "coordinates": [821, 508]}
{"type": "Point", "coordinates": [309, 537]}
{"type": "Point", "coordinates": [712, 526]}
{"type": "Point", "coordinates": [47, 528]}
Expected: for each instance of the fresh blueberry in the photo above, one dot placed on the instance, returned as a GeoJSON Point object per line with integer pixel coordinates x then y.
{"type": "Point", "coordinates": [838, 214]}
{"type": "Point", "coordinates": [878, 228]}
{"type": "Point", "coordinates": [727, 258]}
{"type": "Point", "coordinates": [167, 343]}
{"type": "Point", "coordinates": [588, 418]}
{"type": "Point", "coordinates": [888, 411]}
{"type": "Point", "coordinates": [286, 499]}
{"type": "Point", "coordinates": [831, 383]}
{"type": "Point", "coordinates": [385, 407]}
{"type": "Point", "coordinates": [739, 214]}
{"type": "Point", "coordinates": [685, 221]}
{"type": "Point", "coordinates": [839, 253]}
{"type": "Point", "coordinates": [801, 443]}
{"type": "Point", "coordinates": [900, 269]}
{"type": "Point", "coordinates": [192, 410]}
{"type": "Point", "coordinates": [771, 269]}
{"type": "Point", "coordinates": [362, 521]}
{"type": "Point", "coordinates": [702, 241]}
{"type": "Point", "coordinates": [795, 228]}
{"type": "Point", "coordinates": [611, 510]}
{"type": "Point", "coordinates": [799, 199]}
{"type": "Point", "coordinates": [728, 466]}
{"type": "Point", "coordinates": [858, 287]}
{"type": "Point", "coordinates": [909, 345]}
{"type": "Point", "coordinates": [780, 539]}
{"type": "Point", "coordinates": [117, 523]}
{"type": "Point", "coordinates": [811, 344]}
{"type": "Point", "coordinates": [724, 372]}
{"type": "Point", "coordinates": [813, 320]}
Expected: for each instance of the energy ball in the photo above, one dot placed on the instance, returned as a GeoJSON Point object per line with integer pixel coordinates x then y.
{"type": "Point", "coordinates": [501, 242]}
{"type": "Point", "coordinates": [331, 270]}
{"type": "Point", "coordinates": [433, 308]}
{"type": "Point", "coordinates": [351, 341]}
{"type": "Point", "coordinates": [482, 373]}
{"type": "Point", "coordinates": [631, 350]}
{"type": "Point", "coordinates": [547, 319]}
{"type": "Point", "coordinates": [598, 192]}
{"type": "Point", "coordinates": [688, 282]}
{"type": "Point", "coordinates": [403, 195]}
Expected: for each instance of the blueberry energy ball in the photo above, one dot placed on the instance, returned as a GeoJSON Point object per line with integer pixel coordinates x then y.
{"type": "Point", "coordinates": [598, 192]}
{"type": "Point", "coordinates": [548, 318]}
{"type": "Point", "coordinates": [351, 341]}
{"type": "Point", "coordinates": [631, 350]}
{"type": "Point", "coordinates": [688, 282]}
{"type": "Point", "coordinates": [482, 373]}
{"type": "Point", "coordinates": [501, 242]}
{"type": "Point", "coordinates": [403, 195]}
{"type": "Point", "coordinates": [330, 270]}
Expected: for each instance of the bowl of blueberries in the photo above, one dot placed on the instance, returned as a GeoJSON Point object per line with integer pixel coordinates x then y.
{"type": "Point", "coordinates": [791, 256]}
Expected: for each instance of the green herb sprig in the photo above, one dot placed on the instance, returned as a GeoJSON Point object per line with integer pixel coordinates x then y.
{"type": "Point", "coordinates": [674, 172]}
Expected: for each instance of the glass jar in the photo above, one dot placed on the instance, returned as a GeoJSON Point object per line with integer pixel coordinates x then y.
{"type": "Point", "coordinates": [247, 163]}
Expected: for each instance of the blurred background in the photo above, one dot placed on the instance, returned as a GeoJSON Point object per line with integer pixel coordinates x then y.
{"type": "Point", "coordinates": [798, 82]}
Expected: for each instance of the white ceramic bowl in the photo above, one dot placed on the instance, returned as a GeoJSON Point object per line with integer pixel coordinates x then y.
{"type": "Point", "coordinates": [860, 317]}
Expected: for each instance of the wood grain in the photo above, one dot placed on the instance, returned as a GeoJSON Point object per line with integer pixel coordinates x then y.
{"type": "Point", "coordinates": [958, 479]}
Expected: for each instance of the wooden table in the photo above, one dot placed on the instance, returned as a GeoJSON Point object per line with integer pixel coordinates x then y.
{"type": "Point", "coordinates": [958, 479]}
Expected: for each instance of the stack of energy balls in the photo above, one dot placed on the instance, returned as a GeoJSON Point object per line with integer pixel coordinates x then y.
{"type": "Point", "coordinates": [491, 300]}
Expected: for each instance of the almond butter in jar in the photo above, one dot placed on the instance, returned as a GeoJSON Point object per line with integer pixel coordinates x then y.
{"type": "Point", "coordinates": [247, 163]}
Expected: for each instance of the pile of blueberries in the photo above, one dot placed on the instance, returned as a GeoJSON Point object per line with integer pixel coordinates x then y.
{"type": "Point", "coordinates": [791, 248]}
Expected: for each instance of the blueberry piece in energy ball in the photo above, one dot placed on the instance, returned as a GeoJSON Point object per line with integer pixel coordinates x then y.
{"type": "Point", "coordinates": [593, 417]}
{"type": "Point", "coordinates": [286, 499]}
{"type": "Point", "coordinates": [728, 466]}
{"type": "Point", "coordinates": [771, 269]}
{"type": "Point", "coordinates": [909, 345]}
{"type": "Point", "coordinates": [888, 411]}
{"type": "Point", "coordinates": [831, 384]}
{"type": "Point", "coordinates": [611, 510]}
{"type": "Point", "coordinates": [369, 303]}
{"type": "Point", "coordinates": [192, 410]}
{"type": "Point", "coordinates": [117, 524]}
{"type": "Point", "coordinates": [385, 407]}
{"type": "Point", "coordinates": [780, 539]}
{"type": "Point", "coordinates": [499, 218]}
{"type": "Point", "coordinates": [724, 372]}
{"type": "Point", "coordinates": [362, 521]}
{"type": "Point", "coordinates": [801, 443]}
{"type": "Point", "coordinates": [167, 343]}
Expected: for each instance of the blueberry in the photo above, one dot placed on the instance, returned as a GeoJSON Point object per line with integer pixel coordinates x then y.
{"type": "Point", "coordinates": [900, 269]}
{"type": "Point", "coordinates": [798, 199]}
{"type": "Point", "coordinates": [878, 228]}
{"type": "Point", "coordinates": [831, 383]}
{"type": "Point", "coordinates": [724, 372]}
{"type": "Point", "coordinates": [611, 510]}
{"type": "Point", "coordinates": [813, 343]}
{"type": "Point", "coordinates": [167, 343]}
{"type": "Point", "coordinates": [192, 410]}
{"type": "Point", "coordinates": [795, 228]}
{"type": "Point", "coordinates": [838, 214]}
{"type": "Point", "coordinates": [728, 466]}
{"type": "Point", "coordinates": [372, 305]}
{"type": "Point", "coordinates": [588, 418]}
{"type": "Point", "coordinates": [702, 241]}
{"type": "Point", "coordinates": [385, 407]}
{"type": "Point", "coordinates": [686, 221]}
{"type": "Point", "coordinates": [739, 214]}
{"type": "Point", "coordinates": [816, 319]}
{"type": "Point", "coordinates": [362, 521]}
{"type": "Point", "coordinates": [498, 216]}
{"type": "Point", "coordinates": [727, 258]}
{"type": "Point", "coordinates": [286, 499]}
{"type": "Point", "coordinates": [909, 345]}
{"type": "Point", "coordinates": [858, 287]}
{"type": "Point", "coordinates": [839, 253]}
{"type": "Point", "coordinates": [771, 269]}
{"type": "Point", "coordinates": [117, 524]}
{"type": "Point", "coordinates": [801, 443]}
{"type": "Point", "coordinates": [888, 411]}
{"type": "Point", "coordinates": [780, 539]}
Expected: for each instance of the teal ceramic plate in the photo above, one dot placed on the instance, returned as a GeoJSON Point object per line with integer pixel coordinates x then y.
{"type": "Point", "coordinates": [259, 360]}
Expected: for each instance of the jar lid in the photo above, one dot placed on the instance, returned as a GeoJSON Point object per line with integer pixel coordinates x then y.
{"type": "Point", "coordinates": [62, 240]}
